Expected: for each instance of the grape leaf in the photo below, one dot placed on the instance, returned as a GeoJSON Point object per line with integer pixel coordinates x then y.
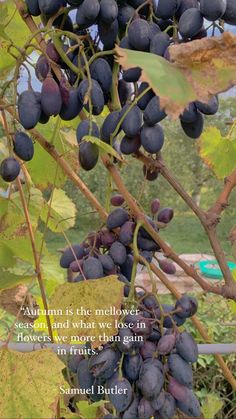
{"type": "Point", "coordinates": [10, 280]}
{"type": "Point", "coordinates": [219, 153]}
{"type": "Point", "coordinates": [15, 29]}
{"type": "Point", "coordinates": [211, 406]}
{"type": "Point", "coordinates": [62, 212]}
{"type": "Point", "coordinates": [89, 410]}
{"type": "Point", "coordinates": [92, 295]}
{"type": "Point", "coordinates": [105, 148]}
{"type": "Point", "coordinates": [197, 70]}
{"type": "Point", "coordinates": [30, 384]}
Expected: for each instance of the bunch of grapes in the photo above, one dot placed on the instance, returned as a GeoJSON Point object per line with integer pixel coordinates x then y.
{"type": "Point", "coordinates": [147, 372]}
{"type": "Point", "coordinates": [146, 369]}
{"type": "Point", "coordinates": [82, 48]}
{"type": "Point", "coordinates": [109, 251]}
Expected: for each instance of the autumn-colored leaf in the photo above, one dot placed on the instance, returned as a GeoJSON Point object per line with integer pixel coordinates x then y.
{"type": "Point", "coordinates": [30, 384]}
{"type": "Point", "coordinates": [197, 70]}
{"type": "Point", "coordinates": [92, 295]}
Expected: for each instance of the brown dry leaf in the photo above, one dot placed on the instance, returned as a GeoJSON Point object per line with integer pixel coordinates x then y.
{"type": "Point", "coordinates": [209, 64]}
{"type": "Point", "coordinates": [197, 70]}
{"type": "Point", "coordinates": [11, 301]}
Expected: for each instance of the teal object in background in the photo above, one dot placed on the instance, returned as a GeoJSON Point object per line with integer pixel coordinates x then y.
{"type": "Point", "coordinates": [211, 269]}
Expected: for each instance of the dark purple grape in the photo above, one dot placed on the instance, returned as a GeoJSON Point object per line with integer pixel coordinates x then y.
{"type": "Point", "coordinates": [130, 145]}
{"type": "Point", "coordinates": [193, 129]}
{"type": "Point", "coordinates": [150, 302]}
{"type": "Point", "coordinates": [159, 43]}
{"type": "Point", "coordinates": [148, 350]}
{"type": "Point", "coordinates": [109, 125]}
{"type": "Point", "coordinates": [230, 13]}
{"type": "Point", "coordinates": [108, 11]}
{"type": "Point", "coordinates": [107, 238]}
{"type": "Point", "coordinates": [166, 9]}
{"type": "Point", "coordinates": [168, 321]}
{"type": "Point", "coordinates": [150, 174]}
{"type": "Point", "coordinates": [131, 366]}
{"type": "Point", "coordinates": [180, 370]}
{"type": "Point", "coordinates": [186, 347]}
{"type": "Point", "coordinates": [117, 200]}
{"type": "Point", "coordinates": [70, 255]}
{"type": "Point", "coordinates": [146, 244]}
{"type": "Point", "coordinates": [145, 99]}
{"type": "Point", "coordinates": [132, 75]}
{"type": "Point", "coordinates": [151, 378]}
{"type": "Point", "coordinates": [155, 206]}
{"type": "Point", "coordinates": [86, 127]}
{"type": "Point", "coordinates": [118, 253]}
{"type": "Point", "coordinates": [23, 146]}
{"type": "Point", "coordinates": [165, 215]}
{"type": "Point", "coordinates": [74, 362]}
{"type": "Point", "coordinates": [9, 169]}
{"type": "Point", "coordinates": [124, 91]}
{"type": "Point", "coordinates": [76, 265]}
{"type": "Point", "coordinates": [51, 100]}
{"type": "Point", "coordinates": [139, 34]}
{"type": "Point", "coordinates": [88, 155]}
{"type": "Point", "coordinates": [107, 263]}
{"type": "Point", "coordinates": [143, 328]}
{"type": "Point", "coordinates": [190, 406]}
{"type": "Point", "coordinates": [104, 364]}
{"type": "Point", "coordinates": [152, 138]}
{"type": "Point", "coordinates": [146, 255]}
{"type": "Point", "coordinates": [29, 109]}
{"type": "Point", "coordinates": [190, 114]}
{"type": "Point", "coordinates": [132, 122]}
{"type": "Point", "coordinates": [190, 23]}
{"type": "Point", "coordinates": [84, 376]}
{"type": "Point", "coordinates": [96, 96]}
{"type": "Point", "coordinates": [117, 218]}
{"type": "Point", "coordinates": [167, 267]}
{"type": "Point", "coordinates": [33, 7]}
{"type": "Point", "coordinates": [209, 108]}
{"type": "Point", "coordinates": [145, 409]}
{"type": "Point", "coordinates": [168, 408]}
{"type": "Point", "coordinates": [158, 401]}
{"type": "Point", "coordinates": [126, 233]}
{"type": "Point", "coordinates": [93, 268]}
{"type": "Point", "coordinates": [155, 335]}
{"type": "Point", "coordinates": [212, 10]}
{"type": "Point", "coordinates": [187, 306]}
{"type": "Point", "coordinates": [124, 15]}
{"type": "Point", "coordinates": [73, 106]}
{"type": "Point", "coordinates": [177, 390]}
{"type": "Point", "coordinates": [124, 43]}
{"type": "Point", "coordinates": [108, 33]}
{"type": "Point", "coordinates": [121, 393]}
{"type": "Point", "coordinates": [132, 411]}
{"type": "Point", "coordinates": [127, 266]}
{"type": "Point", "coordinates": [185, 5]}
{"type": "Point", "coordinates": [101, 72]}
{"type": "Point", "coordinates": [42, 68]}
{"type": "Point", "coordinates": [166, 344]}
{"type": "Point", "coordinates": [52, 52]}
{"type": "Point", "coordinates": [49, 7]}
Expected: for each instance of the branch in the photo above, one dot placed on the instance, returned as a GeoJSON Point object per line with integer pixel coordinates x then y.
{"type": "Point", "coordinates": [189, 270]}
{"type": "Point", "coordinates": [222, 201]}
{"type": "Point", "coordinates": [229, 290]}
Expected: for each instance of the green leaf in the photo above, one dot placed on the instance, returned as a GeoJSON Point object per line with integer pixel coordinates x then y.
{"type": "Point", "coordinates": [211, 406]}
{"type": "Point", "coordinates": [104, 147]}
{"type": "Point", "coordinates": [36, 385]}
{"type": "Point", "coordinates": [14, 29]}
{"type": "Point", "coordinates": [9, 279]}
{"type": "Point", "coordinates": [61, 210]}
{"type": "Point", "coordinates": [93, 295]}
{"type": "Point", "coordinates": [89, 410]}
{"type": "Point", "coordinates": [218, 152]}
{"type": "Point", "coordinates": [168, 82]}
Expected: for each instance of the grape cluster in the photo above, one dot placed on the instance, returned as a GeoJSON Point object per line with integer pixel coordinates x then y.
{"type": "Point", "coordinates": [108, 251]}
{"type": "Point", "coordinates": [84, 54]}
{"type": "Point", "coordinates": [146, 369]}
{"type": "Point", "coordinates": [147, 377]}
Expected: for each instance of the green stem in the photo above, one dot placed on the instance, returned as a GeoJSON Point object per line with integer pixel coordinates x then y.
{"type": "Point", "coordinates": [114, 90]}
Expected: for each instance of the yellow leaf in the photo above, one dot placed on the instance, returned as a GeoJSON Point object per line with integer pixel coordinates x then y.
{"type": "Point", "coordinates": [30, 384]}
{"type": "Point", "coordinates": [92, 295]}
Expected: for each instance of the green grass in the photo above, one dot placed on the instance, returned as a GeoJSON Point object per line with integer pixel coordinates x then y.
{"type": "Point", "coordinates": [184, 233]}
